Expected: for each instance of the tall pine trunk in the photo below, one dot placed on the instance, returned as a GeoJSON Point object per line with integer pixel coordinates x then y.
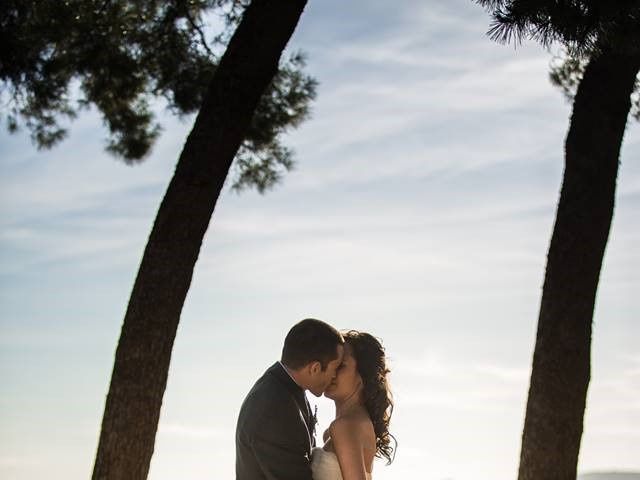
{"type": "Point", "coordinates": [143, 355]}
{"type": "Point", "coordinates": [561, 360]}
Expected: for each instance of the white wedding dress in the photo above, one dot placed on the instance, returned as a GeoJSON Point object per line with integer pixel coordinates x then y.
{"type": "Point", "coordinates": [325, 466]}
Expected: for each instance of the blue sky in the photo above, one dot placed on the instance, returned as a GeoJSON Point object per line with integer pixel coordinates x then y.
{"type": "Point", "coordinates": [420, 211]}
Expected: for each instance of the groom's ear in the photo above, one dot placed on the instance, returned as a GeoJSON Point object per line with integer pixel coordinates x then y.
{"type": "Point", "coordinates": [315, 368]}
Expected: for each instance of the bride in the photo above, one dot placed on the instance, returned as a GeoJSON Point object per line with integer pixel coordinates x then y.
{"type": "Point", "coordinates": [364, 405]}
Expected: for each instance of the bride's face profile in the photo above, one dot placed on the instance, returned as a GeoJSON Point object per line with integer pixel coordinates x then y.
{"type": "Point", "coordinates": [347, 379]}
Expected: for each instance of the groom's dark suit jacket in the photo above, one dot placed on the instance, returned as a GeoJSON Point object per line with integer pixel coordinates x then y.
{"type": "Point", "coordinates": [273, 439]}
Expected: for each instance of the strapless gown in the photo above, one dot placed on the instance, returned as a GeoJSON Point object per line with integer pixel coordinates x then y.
{"type": "Point", "coordinates": [325, 466]}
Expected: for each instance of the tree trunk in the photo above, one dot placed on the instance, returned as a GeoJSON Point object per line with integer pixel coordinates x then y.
{"type": "Point", "coordinates": [561, 360]}
{"type": "Point", "coordinates": [143, 355]}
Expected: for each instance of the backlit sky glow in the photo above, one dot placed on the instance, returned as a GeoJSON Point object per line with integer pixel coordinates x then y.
{"type": "Point", "coordinates": [420, 211]}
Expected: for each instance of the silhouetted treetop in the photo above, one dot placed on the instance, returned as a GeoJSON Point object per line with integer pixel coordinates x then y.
{"type": "Point", "coordinates": [581, 26]}
{"type": "Point", "coordinates": [57, 57]}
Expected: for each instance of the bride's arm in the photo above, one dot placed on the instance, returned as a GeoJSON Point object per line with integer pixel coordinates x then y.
{"type": "Point", "coordinates": [347, 444]}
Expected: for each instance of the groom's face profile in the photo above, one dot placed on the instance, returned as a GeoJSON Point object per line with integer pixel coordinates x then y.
{"type": "Point", "coordinates": [320, 379]}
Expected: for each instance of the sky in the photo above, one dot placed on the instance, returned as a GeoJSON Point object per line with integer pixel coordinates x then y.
{"type": "Point", "coordinates": [420, 210]}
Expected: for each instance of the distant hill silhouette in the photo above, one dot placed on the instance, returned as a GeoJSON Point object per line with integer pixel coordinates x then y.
{"type": "Point", "coordinates": [610, 476]}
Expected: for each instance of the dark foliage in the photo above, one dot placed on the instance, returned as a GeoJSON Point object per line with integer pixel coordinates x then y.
{"type": "Point", "coordinates": [57, 57]}
{"type": "Point", "coordinates": [583, 27]}
{"type": "Point", "coordinates": [262, 158]}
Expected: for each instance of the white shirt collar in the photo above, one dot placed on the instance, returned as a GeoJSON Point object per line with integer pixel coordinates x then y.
{"type": "Point", "coordinates": [290, 376]}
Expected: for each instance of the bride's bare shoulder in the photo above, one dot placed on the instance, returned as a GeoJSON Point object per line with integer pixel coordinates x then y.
{"type": "Point", "coordinates": [345, 436]}
{"type": "Point", "coordinates": [349, 424]}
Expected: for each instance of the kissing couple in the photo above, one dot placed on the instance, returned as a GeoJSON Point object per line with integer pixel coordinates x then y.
{"type": "Point", "coordinates": [275, 433]}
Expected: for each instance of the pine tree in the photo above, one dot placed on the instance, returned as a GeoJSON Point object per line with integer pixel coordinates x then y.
{"type": "Point", "coordinates": [605, 38]}
{"type": "Point", "coordinates": [60, 57]}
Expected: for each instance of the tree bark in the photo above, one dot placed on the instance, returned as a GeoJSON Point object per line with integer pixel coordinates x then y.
{"type": "Point", "coordinates": [143, 355]}
{"type": "Point", "coordinates": [561, 360]}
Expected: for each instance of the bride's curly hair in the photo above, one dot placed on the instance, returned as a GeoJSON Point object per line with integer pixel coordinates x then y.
{"type": "Point", "coordinates": [372, 367]}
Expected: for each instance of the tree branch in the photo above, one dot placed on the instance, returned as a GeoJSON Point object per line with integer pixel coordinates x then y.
{"type": "Point", "coordinates": [197, 28]}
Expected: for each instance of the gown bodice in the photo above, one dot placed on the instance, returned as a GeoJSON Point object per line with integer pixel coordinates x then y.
{"type": "Point", "coordinates": [325, 466]}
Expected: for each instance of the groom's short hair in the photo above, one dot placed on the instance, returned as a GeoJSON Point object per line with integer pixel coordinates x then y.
{"type": "Point", "coordinates": [309, 341]}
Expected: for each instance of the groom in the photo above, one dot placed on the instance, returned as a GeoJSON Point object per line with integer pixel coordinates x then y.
{"type": "Point", "coordinates": [274, 434]}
